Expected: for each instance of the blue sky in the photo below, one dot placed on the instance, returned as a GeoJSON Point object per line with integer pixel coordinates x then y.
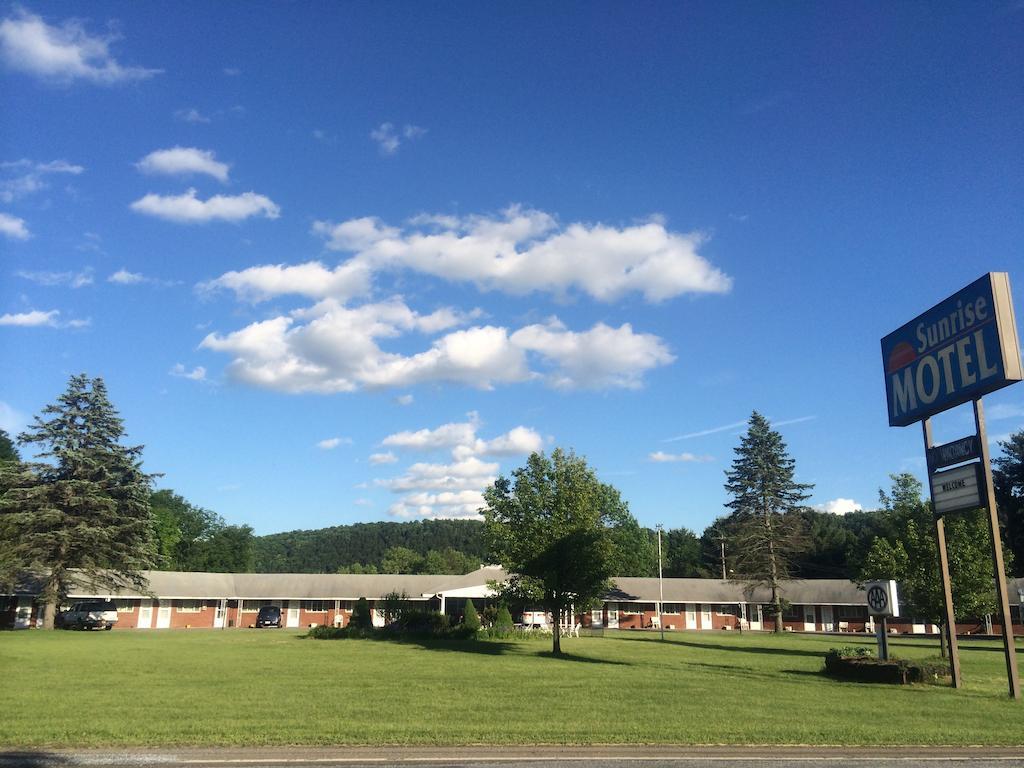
{"type": "Point", "coordinates": [340, 263]}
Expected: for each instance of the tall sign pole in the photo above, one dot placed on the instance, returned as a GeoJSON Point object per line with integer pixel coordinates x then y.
{"type": "Point", "coordinates": [661, 588]}
{"type": "Point", "coordinates": [959, 350]}
{"type": "Point", "coordinates": [949, 626]}
{"type": "Point", "coordinates": [1006, 619]}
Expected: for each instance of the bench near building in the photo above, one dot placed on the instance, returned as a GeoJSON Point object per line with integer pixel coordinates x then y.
{"type": "Point", "coordinates": [179, 600]}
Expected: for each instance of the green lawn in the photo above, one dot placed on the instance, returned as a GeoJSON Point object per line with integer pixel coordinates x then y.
{"type": "Point", "coordinates": [276, 687]}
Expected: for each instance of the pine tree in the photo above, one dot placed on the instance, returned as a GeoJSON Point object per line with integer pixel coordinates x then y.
{"type": "Point", "coordinates": [763, 491]}
{"type": "Point", "coordinates": [470, 618]}
{"type": "Point", "coordinates": [503, 621]}
{"type": "Point", "coordinates": [361, 618]}
{"type": "Point", "coordinates": [84, 512]}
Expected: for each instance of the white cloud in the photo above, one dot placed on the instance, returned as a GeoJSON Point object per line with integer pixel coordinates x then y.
{"type": "Point", "coordinates": [705, 432]}
{"type": "Point", "coordinates": [12, 421]}
{"type": "Point", "coordinates": [523, 250]}
{"type": "Point", "coordinates": [361, 502]}
{"type": "Point", "coordinates": [232, 71]}
{"type": "Point", "coordinates": [188, 209]}
{"type": "Point", "coordinates": [453, 490]}
{"type": "Point", "coordinates": [191, 115]}
{"type": "Point", "coordinates": [441, 490]}
{"type": "Point", "coordinates": [446, 505]}
{"type": "Point", "coordinates": [1003, 411]}
{"type": "Point", "coordinates": [32, 319]}
{"type": "Point", "coordinates": [446, 436]}
{"type": "Point", "coordinates": [839, 506]}
{"type": "Point", "coordinates": [13, 227]}
{"type": "Point", "coordinates": [333, 348]}
{"type": "Point", "coordinates": [600, 358]}
{"type": "Point", "coordinates": [311, 279]}
{"type": "Point", "coordinates": [184, 161]}
{"type": "Point", "coordinates": [404, 399]}
{"type": "Point", "coordinates": [29, 177]}
{"type": "Point", "coordinates": [383, 458]}
{"type": "Point", "coordinates": [71, 279]}
{"type": "Point", "coordinates": [333, 442]}
{"type": "Point", "coordinates": [196, 374]}
{"type": "Point", "coordinates": [62, 53]}
{"type": "Point", "coordinates": [389, 138]}
{"type": "Point", "coordinates": [662, 457]}
{"type": "Point", "coordinates": [520, 440]}
{"type": "Point", "coordinates": [124, 277]}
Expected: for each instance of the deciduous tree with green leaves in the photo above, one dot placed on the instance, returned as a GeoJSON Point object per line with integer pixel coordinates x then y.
{"type": "Point", "coordinates": [767, 536]}
{"type": "Point", "coordinates": [84, 510]}
{"type": "Point", "coordinates": [552, 526]}
{"type": "Point", "coordinates": [911, 557]}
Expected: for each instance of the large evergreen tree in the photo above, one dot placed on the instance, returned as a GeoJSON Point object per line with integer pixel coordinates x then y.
{"type": "Point", "coordinates": [768, 535]}
{"type": "Point", "coordinates": [552, 526]}
{"type": "Point", "coordinates": [8, 452]}
{"type": "Point", "coordinates": [84, 511]}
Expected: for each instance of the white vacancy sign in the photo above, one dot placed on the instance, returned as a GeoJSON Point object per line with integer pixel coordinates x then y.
{"type": "Point", "coordinates": [957, 489]}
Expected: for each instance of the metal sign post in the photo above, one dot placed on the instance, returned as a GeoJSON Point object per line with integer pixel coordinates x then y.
{"type": "Point", "coordinates": [949, 626]}
{"type": "Point", "coordinates": [997, 557]}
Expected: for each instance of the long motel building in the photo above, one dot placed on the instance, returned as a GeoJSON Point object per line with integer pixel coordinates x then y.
{"type": "Point", "coordinates": [194, 600]}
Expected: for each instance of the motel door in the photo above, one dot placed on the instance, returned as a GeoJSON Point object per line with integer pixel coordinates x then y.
{"type": "Point", "coordinates": [613, 615]}
{"type": "Point", "coordinates": [755, 616]}
{"type": "Point", "coordinates": [827, 624]}
{"type": "Point", "coordinates": [293, 613]}
{"type": "Point", "coordinates": [809, 619]}
{"type": "Point", "coordinates": [597, 618]}
{"type": "Point", "coordinates": [23, 614]}
{"type": "Point", "coordinates": [705, 616]}
{"type": "Point", "coordinates": [163, 617]}
{"type": "Point", "coordinates": [218, 614]}
{"type": "Point", "coordinates": [145, 614]}
{"type": "Point", "coordinates": [691, 616]}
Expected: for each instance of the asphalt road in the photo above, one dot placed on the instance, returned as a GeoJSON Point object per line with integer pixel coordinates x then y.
{"type": "Point", "coordinates": [525, 757]}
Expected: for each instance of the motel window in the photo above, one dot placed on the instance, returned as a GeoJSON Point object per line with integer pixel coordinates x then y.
{"type": "Point", "coordinates": [189, 606]}
{"type": "Point", "coordinates": [125, 606]}
{"type": "Point", "coordinates": [317, 606]}
{"type": "Point", "coordinates": [727, 610]}
{"type": "Point", "coordinates": [793, 613]}
{"type": "Point", "coordinates": [671, 608]}
{"type": "Point", "coordinates": [251, 606]}
{"type": "Point", "coordinates": [852, 612]}
{"type": "Point", "coordinates": [346, 605]}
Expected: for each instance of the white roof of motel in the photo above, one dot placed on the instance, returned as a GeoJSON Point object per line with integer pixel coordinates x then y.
{"type": "Point", "coordinates": [325, 586]}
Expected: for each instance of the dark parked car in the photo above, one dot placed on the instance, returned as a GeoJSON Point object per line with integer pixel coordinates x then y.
{"type": "Point", "coordinates": [269, 616]}
{"type": "Point", "coordinates": [90, 615]}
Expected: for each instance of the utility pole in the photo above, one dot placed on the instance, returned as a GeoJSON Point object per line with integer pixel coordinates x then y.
{"type": "Point", "coordinates": [661, 586]}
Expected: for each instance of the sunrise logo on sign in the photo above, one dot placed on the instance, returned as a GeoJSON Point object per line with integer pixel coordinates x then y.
{"type": "Point", "coordinates": [960, 349]}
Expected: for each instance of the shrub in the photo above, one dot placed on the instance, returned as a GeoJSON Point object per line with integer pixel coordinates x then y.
{"type": "Point", "coordinates": [394, 605]}
{"type": "Point", "coordinates": [858, 664]}
{"type": "Point", "coordinates": [471, 619]}
{"type": "Point", "coordinates": [503, 621]}
{"type": "Point", "coordinates": [327, 632]}
{"type": "Point", "coordinates": [361, 618]}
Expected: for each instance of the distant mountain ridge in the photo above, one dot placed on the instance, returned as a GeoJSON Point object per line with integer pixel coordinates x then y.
{"type": "Point", "coordinates": [325, 550]}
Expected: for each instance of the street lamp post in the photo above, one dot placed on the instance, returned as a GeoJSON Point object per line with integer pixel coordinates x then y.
{"type": "Point", "coordinates": [661, 587]}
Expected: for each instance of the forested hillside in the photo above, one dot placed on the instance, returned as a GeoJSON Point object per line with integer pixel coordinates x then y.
{"type": "Point", "coordinates": [344, 547]}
